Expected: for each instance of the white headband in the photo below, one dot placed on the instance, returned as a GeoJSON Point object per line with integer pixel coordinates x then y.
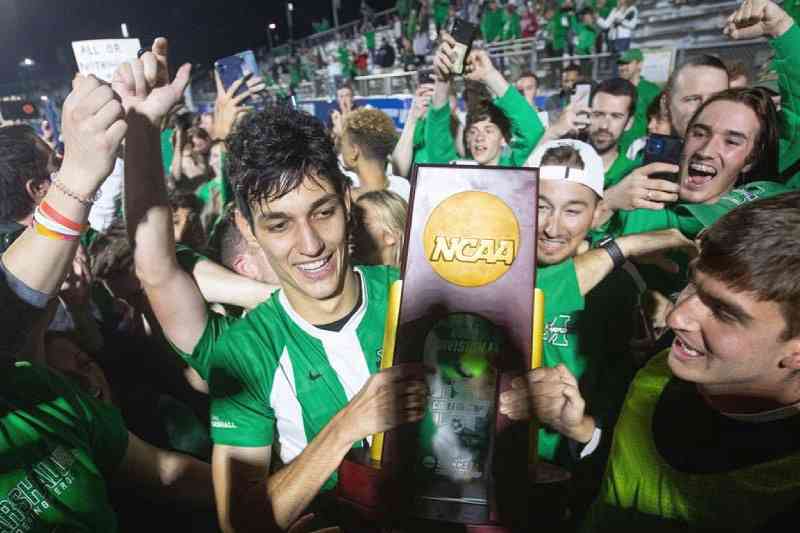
{"type": "Point", "coordinates": [591, 176]}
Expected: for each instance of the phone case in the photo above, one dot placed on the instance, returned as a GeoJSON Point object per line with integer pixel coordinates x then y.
{"type": "Point", "coordinates": [464, 33]}
{"type": "Point", "coordinates": [461, 51]}
{"type": "Point", "coordinates": [234, 67]}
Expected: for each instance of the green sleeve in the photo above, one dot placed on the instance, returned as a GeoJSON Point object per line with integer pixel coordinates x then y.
{"type": "Point", "coordinates": [644, 220]}
{"type": "Point", "coordinates": [166, 149]}
{"type": "Point", "coordinates": [204, 352]}
{"type": "Point", "coordinates": [787, 65]}
{"type": "Point", "coordinates": [187, 257]}
{"type": "Point", "coordinates": [438, 139]}
{"type": "Point", "coordinates": [526, 128]}
{"type": "Point", "coordinates": [241, 414]}
{"type": "Point", "coordinates": [621, 167]}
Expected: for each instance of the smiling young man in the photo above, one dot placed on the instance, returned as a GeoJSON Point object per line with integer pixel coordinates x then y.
{"type": "Point", "coordinates": [300, 371]}
{"type": "Point", "coordinates": [508, 122]}
{"type": "Point", "coordinates": [708, 435]}
{"type": "Point", "coordinates": [581, 330]}
{"type": "Point", "coordinates": [612, 106]}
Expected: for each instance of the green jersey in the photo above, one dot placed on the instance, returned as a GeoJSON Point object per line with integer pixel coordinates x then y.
{"type": "Point", "coordinates": [526, 130]}
{"type": "Point", "coordinates": [559, 27]}
{"type": "Point", "coordinates": [492, 25]}
{"type": "Point", "coordinates": [587, 36]}
{"type": "Point", "coordinates": [273, 372]}
{"type": "Point", "coordinates": [646, 92]}
{"type": "Point", "coordinates": [57, 447]}
{"type": "Point", "coordinates": [590, 336]}
{"type": "Point", "coordinates": [787, 66]}
{"type": "Point", "coordinates": [621, 167]}
{"type": "Point", "coordinates": [512, 26]}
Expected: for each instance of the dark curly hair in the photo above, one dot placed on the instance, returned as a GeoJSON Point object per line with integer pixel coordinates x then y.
{"type": "Point", "coordinates": [23, 157]}
{"type": "Point", "coordinates": [272, 151]}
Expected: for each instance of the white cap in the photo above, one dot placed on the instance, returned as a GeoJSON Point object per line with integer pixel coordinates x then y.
{"type": "Point", "coordinates": [591, 176]}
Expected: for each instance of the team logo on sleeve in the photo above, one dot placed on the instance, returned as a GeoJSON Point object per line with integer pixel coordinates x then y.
{"type": "Point", "coordinates": [471, 238]}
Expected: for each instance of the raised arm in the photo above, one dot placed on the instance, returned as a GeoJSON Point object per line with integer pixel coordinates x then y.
{"type": "Point", "coordinates": [526, 128]}
{"type": "Point", "coordinates": [438, 138]}
{"type": "Point", "coordinates": [93, 128]}
{"type": "Point", "coordinates": [147, 97]}
{"type": "Point", "coordinates": [403, 154]}
{"type": "Point", "coordinates": [759, 18]}
{"type": "Point", "coordinates": [593, 266]}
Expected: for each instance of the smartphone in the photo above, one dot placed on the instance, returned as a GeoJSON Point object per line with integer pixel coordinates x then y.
{"type": "Point", "coordinates": [581, 94]}
{"type": "Point", "coordinates": [425, 75]}
{"type": "Point", "coordinates": [235, 67]}
{"type": "Point", "coordinates": [663, 149]}
{"type": "Point", "coordinates": [463, 33]}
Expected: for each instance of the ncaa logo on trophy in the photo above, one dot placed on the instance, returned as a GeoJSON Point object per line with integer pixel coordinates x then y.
{"type": "Point", "coordinates": [471, 238]}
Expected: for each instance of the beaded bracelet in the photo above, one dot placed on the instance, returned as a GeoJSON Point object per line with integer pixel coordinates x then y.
{"type": "Point", "coordinates": [75, 196]}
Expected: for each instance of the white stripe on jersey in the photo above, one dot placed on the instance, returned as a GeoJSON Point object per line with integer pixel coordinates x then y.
{"type": "Point", "coordinates": [288, 412]}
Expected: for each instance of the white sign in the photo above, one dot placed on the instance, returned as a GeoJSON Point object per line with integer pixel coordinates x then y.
{"type": "Point", "coordinates": [101, 57]}
{"type": "Point", "coordinates": [658, 63]}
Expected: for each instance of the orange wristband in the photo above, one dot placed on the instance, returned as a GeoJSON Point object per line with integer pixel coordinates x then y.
{"type": "Point", "coordinates": [50, 211]}
{"type": "Point", "coordinates": [50, 234]}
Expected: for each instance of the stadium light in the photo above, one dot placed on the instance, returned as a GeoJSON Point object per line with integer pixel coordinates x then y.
{"type": "Point", "coordinates": [272, 26]}
{"type": "Point", "coordinates": [27, 62]}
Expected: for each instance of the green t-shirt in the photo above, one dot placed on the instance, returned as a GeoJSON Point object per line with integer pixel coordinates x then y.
{"type": "Point", "coordinates": [621, 167]}
{"type": "Point", "coordinates": [559, 27]}
{"type": "Point", "coordinates": [512, 26]}
{"type": "Point", "coordinates": [526, 130]}
{"type": "Point", "coordinates": [57, 446]}
{"type": "Point", "coordinates": [587, 35]}
{"type": "Point", "coordinates": [590, 336]}
{"type": "Point", "coordinates": [646, 92]}
{"type": "Point", "coordinates": [492, 25]}
{"type": "Point", "coordinates": [272, 373]}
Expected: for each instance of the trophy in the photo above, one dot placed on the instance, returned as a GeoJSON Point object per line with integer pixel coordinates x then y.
{"type": "Point", "coordinates": [465, 308]}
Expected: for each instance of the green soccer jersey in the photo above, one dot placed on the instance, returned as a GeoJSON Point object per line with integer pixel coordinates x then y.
{"type": "Point", "coordinates": [57, 445]}
{"type": "Point", "coordinates": [272, 372]}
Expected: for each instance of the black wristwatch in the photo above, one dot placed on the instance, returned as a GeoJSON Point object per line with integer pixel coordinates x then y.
{"type": "Point", "coordinates": [614, 251]}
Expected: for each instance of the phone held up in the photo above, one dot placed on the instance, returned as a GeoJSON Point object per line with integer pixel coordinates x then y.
{"type": "Point", "coordinates": [425, 75]}
{"type": "Point", "coordinates": [663, 149]}
{"type": "Point", "coordinates": [235, 67]}
{"type": "Point", "coordinates": [463, 33]}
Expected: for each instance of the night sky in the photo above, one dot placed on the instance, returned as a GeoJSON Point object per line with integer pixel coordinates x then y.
{"type": "Point", "coordinates": [200, 31]}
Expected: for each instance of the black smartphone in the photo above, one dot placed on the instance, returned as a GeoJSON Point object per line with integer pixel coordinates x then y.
{"type": "Point", "coordinates": [463, 33]}
{"type": "Point", "coordinates": [425, 75]}
{"type": "Point", "coordinates": [663, 149]}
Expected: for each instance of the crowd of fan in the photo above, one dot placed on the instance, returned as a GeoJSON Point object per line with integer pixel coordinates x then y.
{"type": "Point", "coordinates": [192, 304]}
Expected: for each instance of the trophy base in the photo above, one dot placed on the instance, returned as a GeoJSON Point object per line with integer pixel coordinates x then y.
{"type": "Point", "coordinates": [377, 496]}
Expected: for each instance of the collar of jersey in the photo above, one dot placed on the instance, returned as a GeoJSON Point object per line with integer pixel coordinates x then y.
{"type": "Point", "coordinates": [780, 413]}
{"type": "Point", "coordinates": [314, 331]}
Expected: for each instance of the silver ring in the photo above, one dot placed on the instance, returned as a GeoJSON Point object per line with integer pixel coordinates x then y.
{"type": "Point", "coordinates": [649, 195]}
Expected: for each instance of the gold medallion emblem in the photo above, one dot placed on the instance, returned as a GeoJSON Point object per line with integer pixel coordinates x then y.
{"type": "Point", "coordinates": [471, 238]}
